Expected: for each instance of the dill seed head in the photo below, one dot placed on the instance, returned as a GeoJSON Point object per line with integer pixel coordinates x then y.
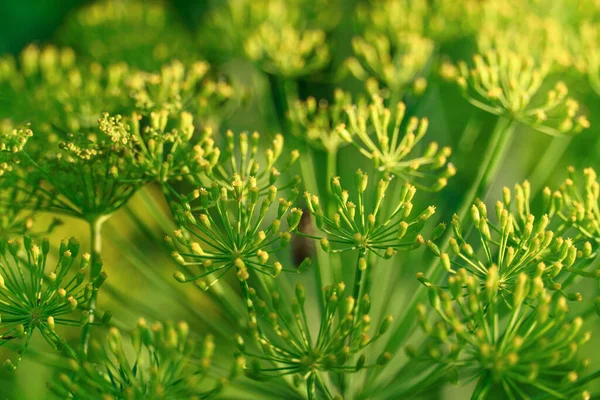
{"type": "Point", "coordinates": [441, 20]}
{"type": "Point", "coordinates": [576, 204]}
{"type": "Point", "coordinates": [238, 222]}
{"type": "Point", "coordinates": [167, 149]}
{"type": "Point", "coordinates": [16, 218]}
{"type": "Point", "coordinates": [360, 224]}
{"type": "Point", "coordinates": [395, 61]}
{"type": "Point", "coordinates": [179, 87]}
{"type": "Point", "coordinates": [394, 150]}
{"type": "Point", "coordinates": [159, 361]}
{"type": "Point", "coordinates": [143, 34]}
{"type": "Point", "coordinates": [503, 82]}
{"type": "Point", "coordinates": [56, 94]}
{"type": "Point", "coordinates": [287, 340]}
{"type": "Point", "coordinates": [36, 298]}
{"type": "Point", "coordinates": [288, 51]}
{"type": "Point", "coordinates": [516, 241]}
{"type": "Point", "coordinates": [89, 175]}
{"type": "Point", "coordinates": [521, 344]}
{"type": "Point", "coordinates": [316, 122]}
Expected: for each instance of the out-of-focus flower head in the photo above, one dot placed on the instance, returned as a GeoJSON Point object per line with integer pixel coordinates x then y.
{"type": "Point", "coordinates": [160, 361]}
{"type": "Point", "coordinates": [36, 298]}
{"type": "Point", "coordinates": [142, 33]}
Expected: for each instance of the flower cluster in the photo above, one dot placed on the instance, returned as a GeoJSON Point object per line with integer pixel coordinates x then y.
{"type": "Point", "coordinates": [143, 34]}
{"type": "Point", "coordinates": [165, 365]}
{"type": "Point", "coordinates": [316, 122]}
{"type": "Point", "coordinates": [362, 225]}
{"type": "Point", "coordinates": [519, 243]}
{"type": "Point", "coordinates": [523, 348]}
{"type": "Point", "coordinates": [57, 95]}
{"type": "Point", "coordinates": [90, 175]}
{"type": "Point", "coordinates": [288, 341]}
{"type": "Point", "coordinates": [576, 204]}
{"type": "Point", "coordinates": [231, 24]}
{"type": "Point", "coordinates": [15, 219]}
{"type": "Point", "coordinates": [287, 51]}
{"type": "Point", "coordinates": [235, 226]}
{"type": "Point", "coordinates": [396, 141]}
{"type": "Point", "coordinates": [441, 20]}
{"type": "Point", "coordinates": [167, 149]}
{"type": "Point", "coordinates": [545, 39]}
{"type": "Point", "coordinates": [395, 61]}
{"type": "Point", "coordinates": [179, 87]}
{"type": "Point", "coordinates": [508, 84]}
{"type": "Point", "coordinates": [36, 298]}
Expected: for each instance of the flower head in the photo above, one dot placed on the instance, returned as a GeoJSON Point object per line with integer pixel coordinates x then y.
{"type": "Point", "coordinates": [89, 175]}
{"type": "Point", "coordinates": [167, 149]}
{"type": "Point", "coordinates": [523, 348]}
{"type": "Point", "coordinates": [358, 224]}
{"type": "Point", "coordinates": [287, 340]}
{"type": "Point", "coordinates": [316, 122]}
{"type": "Point", "coordinates": [505, 83]}
{"type": "Point", "coordinates": [15, 217]}
{"type": "Point", "coordinates": [518, 243]}
{"type": "Point", "coordinates": [227, 27]}
{"type": "Point", "coordinates": [288, 51]}
{"type": "Point", "coordinates": [395, 61]}
{"type": "Point", "coordinates": [576, 205]}
{"type": "Point", "coordinates": [144, 34]}
{"type": "Point", "coordinates": [178, 87]}
{"type": "Point", "coordinates": [238, 226]}
{"type": "Point", "coordinates": [36, 298]}
{"type": "Point", "coordinates": [397, 140]}
{"type": "Point", "coordinates": [159, 362]}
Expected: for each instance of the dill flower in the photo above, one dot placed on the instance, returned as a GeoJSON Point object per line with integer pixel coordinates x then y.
{"type": "Point", "coordinates": [576, 204]}
{"type": "Point", "coordinates": [396, 61]}
{"type": "Point", "coordinates": [505, 83]}
{"type": "Point", "coordinates": [289, 343]}
{"type": "Point", "coordinates": [167, 149]}
{"type": "Point", "coordinates": [15, 219]}
{"type": "Point", "coordinates": [396, 141]}
{"type": "Point", "coordinates": [228, 25]}
{"type": "Point", "coordinates": [316, 122]}
{"type": "Point", "coordinates": [178, 87]}
{"type": "Point", "coordinates": [36, 298]}
{"type": "Point", "coordinates": [144, 34]}
{"type": "Point", "coordinates": [517, 243]}
{"type": "Point", "coordinates": [524, 347]}
{"type": "Point", "coordinates": [441, 20]}
{"type": "Point", "coordinates": [361, 224]}
{"type": "Point", "coordinates": [89, 175]}
{"type": "Point", "coordinates": [545, 38]}
{"type": "Point", "coordinates": [158, 362]}
{"type": "Point", "coordinates": [13, 141]}
{"type": "Point", "coordinates": [288, 51]}
{"type": "Point", "coordinates": [236, 228]}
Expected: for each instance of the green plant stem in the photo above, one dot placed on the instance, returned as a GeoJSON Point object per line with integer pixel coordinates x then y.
{"type": "Point", "coordinates": [492, 158]}
{"type": "Point", "coordinates": [96, 267]}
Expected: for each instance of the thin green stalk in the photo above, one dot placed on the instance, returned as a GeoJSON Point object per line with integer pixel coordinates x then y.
{"type": "Point", "coordinates": [492, 158]}
{"type": "Point", "coordinates": [96, 267]}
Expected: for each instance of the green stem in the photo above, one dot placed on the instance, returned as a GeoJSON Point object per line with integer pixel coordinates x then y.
{"type": "Point", "coordinates": [96, 267]}
{"type": "Point", "coordinates": [482, 388]}
{"type": "Point", "coordinates": [492, 158]}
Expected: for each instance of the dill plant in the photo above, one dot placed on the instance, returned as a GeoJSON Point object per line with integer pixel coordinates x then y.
{"type": "Point", "coordinates": [346, 252]}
